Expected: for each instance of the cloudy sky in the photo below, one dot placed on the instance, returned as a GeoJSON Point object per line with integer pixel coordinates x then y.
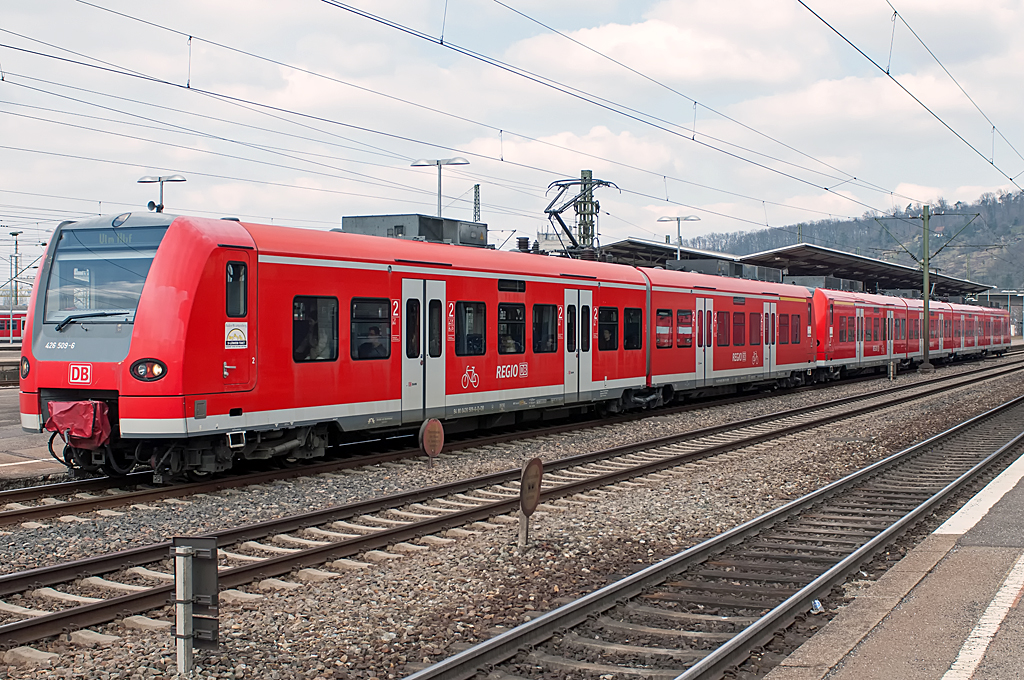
{"type": "Point", "coordinates": [301, 112]}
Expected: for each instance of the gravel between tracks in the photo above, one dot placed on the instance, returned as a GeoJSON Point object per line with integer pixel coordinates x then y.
{"type": "Point", "coordinates": [372, 624]}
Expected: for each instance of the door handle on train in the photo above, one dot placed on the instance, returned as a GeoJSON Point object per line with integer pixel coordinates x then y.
{"type": "Point", "coordinates": [227, 368]}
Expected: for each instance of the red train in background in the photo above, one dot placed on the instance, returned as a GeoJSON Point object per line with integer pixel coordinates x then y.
{"type": "Point", "coordinates": [187, 344]}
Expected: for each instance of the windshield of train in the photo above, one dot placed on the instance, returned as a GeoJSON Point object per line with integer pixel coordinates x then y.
{"type": "Point", "coordinates": [98, 274]}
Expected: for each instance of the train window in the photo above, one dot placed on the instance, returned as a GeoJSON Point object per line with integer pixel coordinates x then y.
{"type": "Point", "coordinates": [700, 328]}
{"type": "Point", "coordinates": [632, 328]}
{"type": "Point", "coordinates": [831, 315]}
{"type": "Point", "coordinates": [842, 329]}
{"type": "Point", "coordinates": [236, 289]}
{"type": "Point", "coordinates": [434, 328]}
{"type": "Point", "coordinates": [471, 328]}
{"type": "Point", "coordinates": [371, 328]}
{"type": "Point", "coordinates": [570, 328]}
{"type": "Point", "coordinates": [739, 329]}
{"type": "Point", "coordinates": [755, 328]}
{"type": "Point", "coordinates": [767, 333]}
{"type": "Point", "coordinates": [315, 328]}
{"type": "Point", "coordinates": [512, 285]}
{"type": "Point", "coordinates": [707, 330]}
{"type": "Point", "coordinates": [545, 329]}
{"type": "Point", "coordinates": [796, 329]}
{"type": "Point", "coordinates": [663, 329]}
{"type": "Point", "coordinates": [783, 329]}
{"type": "Point", "coordinates": [684, 328]}
{"type": "Point", "coordinates": [608, 328]}
{"type": "Point", "coordinates": [511, 328]}
{"type": "Point", "coordinates": [851, 334]}
{"type": "Point", "coordinates": [585, 328]}
{"type": "Point", "coordinates": [722, 330]}
{"type": "Point", "coordinates": [412, 328]}
{"type": "Point", "coordinates": [874, 325]}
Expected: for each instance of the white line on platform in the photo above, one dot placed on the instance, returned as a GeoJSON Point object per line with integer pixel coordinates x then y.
{"type": "Point", "coordinates": [978, 507]}
{"type": "Point", "coordinates": [981, 637]}
{"type": "Point", "coordinates": [27, 462]}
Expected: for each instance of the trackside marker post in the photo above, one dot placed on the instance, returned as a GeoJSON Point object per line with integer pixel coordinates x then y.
{"type": "Point", "coordinates": [529, 497]}
{"type": "Point", "coordinates": [431, 438]}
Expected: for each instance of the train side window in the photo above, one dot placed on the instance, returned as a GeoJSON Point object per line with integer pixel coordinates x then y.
{"type": "Point", "coordinates": [434, 328]}
{"type": "Point", "coordinates": [722, 330]}
{"type": "Point", "coordinates": [585, 328]}
{"type": "Point", "coordinates": [545, 329]}
{"type": "Point", "coordinates": [684, 328]}
{"type": "Point", "coordinates": [831, 314]}
{"type": "Point", "coordinates": [315, 328]}
{"type": "Point", "coordinates": [663, 329]}
{"type": "Point", "coordinates": [235, 289]}
{"type": "Point", "coordinates": [796, 329]}
{"type": "Point", "coordinates": [632, 328]}
{"type": "Point", "coordinates": [783, 329]}
{"type": "Point", "coordinates": [470, 329]}
{"type": "Point", "coordinates": [755, 329]}
{"type": "Point", "coordinates": [707, 331]}
{"type": "Point", "coordinates": [767, 332]}
{"type": "Point", "coordinates": [371, 328]}
{"type": "Point", "coordinates": [570, 328]}
{"type": "Point", "coordinates": [412, 328]}
{"type": "Point", "coordinates": [608, 328]}
{"type": "Point", "coordinates": [875, 325]}
{"type": "Point", "coordinates": [842, 329]}
{"type": "Point", "coordinates": [700, 328]}
{"type": "Point", "coordinates": [739, 329]}
{"type": "Point", "coordinates": [511, 328]}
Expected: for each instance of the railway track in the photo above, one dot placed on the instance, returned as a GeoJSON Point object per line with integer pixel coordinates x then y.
{"type": "Point", "coordinates": [700, 613]}
{"type": "Point", "coordinates": [104, 493]}
{"type": "Point", "coordinates": [137, 580]}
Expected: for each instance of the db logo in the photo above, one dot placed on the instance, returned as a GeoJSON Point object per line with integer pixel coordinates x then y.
{"type": "Point", "coordinates": [80, 374]}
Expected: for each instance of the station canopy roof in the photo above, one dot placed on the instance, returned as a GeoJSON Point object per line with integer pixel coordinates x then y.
{"type": "Point", "coordinates": [802, 259]}
{"type": "Point", "coordinates": [805, 259]}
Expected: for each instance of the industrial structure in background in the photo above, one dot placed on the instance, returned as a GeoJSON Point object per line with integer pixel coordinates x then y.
{"type": "Point", "coordinates": [583, 243]}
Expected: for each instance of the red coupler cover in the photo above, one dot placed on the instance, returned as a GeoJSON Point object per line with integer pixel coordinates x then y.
{"type": "Point", "coordinates": [82, 424]}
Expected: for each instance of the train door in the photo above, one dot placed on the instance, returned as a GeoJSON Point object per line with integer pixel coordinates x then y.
{"type": "Point", "coordinates": [422, 313]}
{"type": "Point", "coordinates": [860, 334]}
{"type": "Point", "coordinates": [769, 364]}
{"type": "Point", "coordinates": [577, 358]}
{"type": "Point", "coordinates": [238, 362]}
{"type": "Point", "coordinates": [705, 352]}
{"type": "Point", "coordinates": [889, 328]}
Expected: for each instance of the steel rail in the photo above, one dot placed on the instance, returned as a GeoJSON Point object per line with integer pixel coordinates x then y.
{"type": "Point", "coordinates": [506, 645]}
{"type": "Point", "coordinates": [42, 576]}
{"type": "Point", "coordinates": [23, 632]}
{"type": "Point", "coordinates": [116, 500]}
{"type": "Point", "coordinates": [32, 493]}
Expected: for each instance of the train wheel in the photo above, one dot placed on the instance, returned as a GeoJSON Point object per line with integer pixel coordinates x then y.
{"type": "Point", "coordinates": [198, 475]}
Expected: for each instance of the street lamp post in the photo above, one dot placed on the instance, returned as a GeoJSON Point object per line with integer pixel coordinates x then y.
{"type": "Point", "coordinates": [14, 285]}
{"type": "Point", "coordinates": [151, 179]}
{"type": "Point", "coordinates": [679, 230]}
{"type": "Point", "coordinates": [424, 162]}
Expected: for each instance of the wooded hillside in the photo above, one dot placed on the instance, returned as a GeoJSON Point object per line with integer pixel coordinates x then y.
{"type": "Point", "coordinates": [989, 250]}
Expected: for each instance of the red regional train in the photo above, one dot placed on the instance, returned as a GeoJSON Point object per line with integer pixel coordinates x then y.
{"type": "Point", "coordinates": [187, 344]}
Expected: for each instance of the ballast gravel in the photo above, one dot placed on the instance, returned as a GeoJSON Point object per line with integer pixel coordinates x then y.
{"type": "Point", "coordinates": [382, 622]}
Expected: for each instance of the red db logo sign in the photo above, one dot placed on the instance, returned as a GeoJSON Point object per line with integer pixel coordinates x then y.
{"type": "Point", "coordinates": [80, 374]}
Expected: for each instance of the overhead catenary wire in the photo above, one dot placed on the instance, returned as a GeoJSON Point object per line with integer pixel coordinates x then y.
{"type": "Point", "coordinates": [955, 81]}
{"type": "Point", "coordinates": [277, 109]}
{"type": "Point", "coordinates": [696, 103]}
{"type": "Point", "coordinates": [910, 94]}
{"type": "Point", "coordinates": [446, 113]}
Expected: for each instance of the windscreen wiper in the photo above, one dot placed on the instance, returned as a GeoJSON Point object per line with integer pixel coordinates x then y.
{"type": "Point", "coordinates": [75, 317]}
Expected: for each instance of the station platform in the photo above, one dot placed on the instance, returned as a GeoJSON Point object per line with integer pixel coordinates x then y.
{"type": "Point", "coordinates": [949, 610]}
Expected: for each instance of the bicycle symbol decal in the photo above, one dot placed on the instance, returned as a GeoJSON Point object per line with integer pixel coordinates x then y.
{"type": "Point", "coordinates": [470, 377]}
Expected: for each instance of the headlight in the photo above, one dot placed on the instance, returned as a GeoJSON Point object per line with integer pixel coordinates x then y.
{"type": "Point", "coordinates": [24, 367]}
{"type": "Point", "coordinates": [148, 370]}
